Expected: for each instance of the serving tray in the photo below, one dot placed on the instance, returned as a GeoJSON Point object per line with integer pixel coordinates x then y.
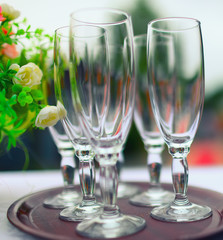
{"type": "Point", "coordinates": [29, 215]}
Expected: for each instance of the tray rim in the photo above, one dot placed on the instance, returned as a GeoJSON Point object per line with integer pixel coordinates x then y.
{"type": "Point", "coordinates": [15, 221]}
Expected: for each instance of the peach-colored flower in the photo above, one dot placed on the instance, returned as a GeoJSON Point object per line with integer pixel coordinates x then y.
{"type": "Point", "coordinates": [9, 50]}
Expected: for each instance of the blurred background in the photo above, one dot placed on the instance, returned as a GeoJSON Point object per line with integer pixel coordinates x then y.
{"type": "Point", "coordinates": [207, 148]}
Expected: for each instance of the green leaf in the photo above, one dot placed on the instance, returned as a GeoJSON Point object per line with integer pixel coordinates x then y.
{"type": "Point", "coordinates": [11, 72]}
{"type": "Point", "coordinates": [20, 32]}
{"type": "Point", "coordinates": [12, 101]}
{"type": "Point", "coordinates": [39, 31]}
{"type": "Point", "coordinates": [16, 24]}
{"type": "Point", "coordinates": [2, 67]}
{"type": "Point", "coordinates": [27, 29]}
{"type": "Point", "coordinates": [37, 94]}
{"type": "Point", "coordinates": [24, 20]}
{"type": "Point", "coordinates": [26, 89]}
{"type": "Point", "coordinates": [29, 99]}
{"type": "Point", "coordinates": [3, 84]}
{"type": "Point", "coordinates": [16, 88]}
{"type": "Point", "coordinates": [22, 98]}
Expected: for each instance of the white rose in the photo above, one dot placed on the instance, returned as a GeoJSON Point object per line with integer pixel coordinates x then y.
{"type": "Point", "coordinates": [9, 12]}
{"type": "Point", "coordinates": [15, 67]}
{"type": "Point", "coordinates": [48, 116]}
{"type": "Point", "coordinates": [61, 110]}
{"type": "Point", "coordinates": [29, 75]}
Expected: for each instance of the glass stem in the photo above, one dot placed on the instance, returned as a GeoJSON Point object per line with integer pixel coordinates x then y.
{"type": "Point", "coordinates": [180, 174]}
{"type": "Point", "coordinates": [154, 163]}
{"type": "Point", "coordinates": [67, 166]}
{"type": "Point", "coordinates": [109, 185]}
{"type": "Point", "coordinates": [87, 176]}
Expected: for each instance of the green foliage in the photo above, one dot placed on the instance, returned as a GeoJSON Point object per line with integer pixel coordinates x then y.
{"type": "Point", "coordinates": [142, 13]}
{"type": "Point", "coordinates": [9, 124]}
{"type": "Point", "coordinates": [19, 105]}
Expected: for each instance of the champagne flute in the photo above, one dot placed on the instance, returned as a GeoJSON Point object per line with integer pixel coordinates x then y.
{"type": "Point", "coordinates": [88, 207]}
{"type": "Point", "coordinates": [80, 17]}
{"type": "Point", "coordinates": [176, 83]}
{"type": "Point", "coordinates": [107, 135]}
{"type": "Point", "coordinates": [152, 139]}
{"type": "Point", "coordinates": [69, 196]}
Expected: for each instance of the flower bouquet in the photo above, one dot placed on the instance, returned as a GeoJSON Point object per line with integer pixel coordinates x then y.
{"type": "Point", "coordinates": [22, 73]}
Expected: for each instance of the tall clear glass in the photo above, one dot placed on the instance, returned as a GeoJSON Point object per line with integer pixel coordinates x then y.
{"type": "Point", "coordinates": [88, 207]}
{"type": "Point", "coordinates": [107, 135]}
{"type": "Point", "coordinates": [69, 196]}
{"type": "Point", "coordinates": [176, 83]}
{"type": "Point", "coordinates": [147, 128]}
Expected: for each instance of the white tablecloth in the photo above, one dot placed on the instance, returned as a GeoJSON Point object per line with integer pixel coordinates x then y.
{"type": "Point", "coordinates": [14, 185]}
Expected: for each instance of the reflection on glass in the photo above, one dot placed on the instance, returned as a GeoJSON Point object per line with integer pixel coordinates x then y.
{"type": "Point", "coordinates": [125, 190]}
{"type": "Point", "coordinates": [147, 128]}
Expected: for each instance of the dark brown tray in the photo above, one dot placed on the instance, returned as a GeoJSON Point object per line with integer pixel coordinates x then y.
{"type": "Point", "coordinates": [30, 216]}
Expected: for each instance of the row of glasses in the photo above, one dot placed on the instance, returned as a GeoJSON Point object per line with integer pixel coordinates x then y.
{"type": "Point", "coordinates": [101, 84]}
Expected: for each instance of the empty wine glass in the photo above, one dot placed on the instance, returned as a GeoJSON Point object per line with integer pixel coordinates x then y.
{"type": "Point", "coordinates": [69, 196]}
{"type": "Point", "coordinates": [176, 83]}
{"type": "Point", "coordinates": [88, 207]}
{"type": "Point", "coordinates": [146, 125]}
{"type": "Point", "coordinates": [107, 135]}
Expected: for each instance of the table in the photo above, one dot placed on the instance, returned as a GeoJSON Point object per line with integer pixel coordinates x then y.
{"type": "Point", "coordinates": [14, 185]}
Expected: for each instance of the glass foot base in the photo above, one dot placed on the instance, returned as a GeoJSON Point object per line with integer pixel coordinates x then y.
{"type": "Point", "coordinates": [173, 213]}
{"type": "Point", "coordinates": [101, 227]}
{"type": "Point", "coordinates": [81, 212]}
{"type": "Point", "coordinates": [125, 190]}
{"type": "Point", "coordinates": [152, 198]}
{"type": "Point", "coordinates": [62, 200]}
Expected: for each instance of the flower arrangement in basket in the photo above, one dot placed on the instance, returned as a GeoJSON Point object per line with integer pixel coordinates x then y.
{"type": "Point", "coordinates": [22, 73]}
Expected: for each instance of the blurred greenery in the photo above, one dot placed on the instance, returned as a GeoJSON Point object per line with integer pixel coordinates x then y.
{"type": "Point", "coordinates": [142, 13]}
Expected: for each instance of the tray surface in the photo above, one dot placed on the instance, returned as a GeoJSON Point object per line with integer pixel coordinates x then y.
{"type": "Point", "coordinates": [29, 215]}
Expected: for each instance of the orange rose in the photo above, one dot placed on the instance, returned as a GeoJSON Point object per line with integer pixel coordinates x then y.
{"type": "Point", "coordinates": [9, 51]}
